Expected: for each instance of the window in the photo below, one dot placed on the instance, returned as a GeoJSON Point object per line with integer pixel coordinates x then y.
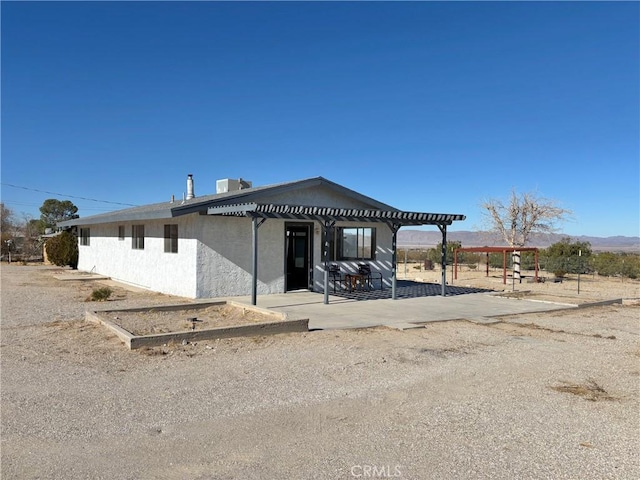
{"type": "Point", "coordinates": [120, 232]}
{"type": "Point", "coordinates": [353, 244]}
{"type": "Point", "coordinates": [84, 236]}
{"type": "Point", "coordinates": [171, 238]}
{"type": "Point", "coordinates": [137, 237]}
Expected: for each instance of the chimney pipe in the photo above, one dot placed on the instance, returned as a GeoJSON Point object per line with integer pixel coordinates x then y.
{"type": "Point", "coordinates": [190, 193]}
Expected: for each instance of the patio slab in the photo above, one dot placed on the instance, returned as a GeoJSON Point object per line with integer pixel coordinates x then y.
{"type": "Point", "coordinates": [345, 313]}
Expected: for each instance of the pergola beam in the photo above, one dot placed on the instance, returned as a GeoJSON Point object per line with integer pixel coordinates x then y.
{"type": "Point", "coordinates": [321, 214]}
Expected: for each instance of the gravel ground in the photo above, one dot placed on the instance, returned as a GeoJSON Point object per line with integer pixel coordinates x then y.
{"type": "Point", "coordinates": [586, 289]}
{"type": "Point", "coordinates": [552, 395]}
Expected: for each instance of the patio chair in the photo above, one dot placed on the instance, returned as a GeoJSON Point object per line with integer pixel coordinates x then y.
{"type": "Point", "coordinates": [365, 269]}
{"type": "Point", "coordinates": [336, 275]}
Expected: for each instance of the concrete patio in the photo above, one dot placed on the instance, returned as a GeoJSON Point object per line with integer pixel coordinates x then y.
{"type": "Point", "coordinates": [416, 304]}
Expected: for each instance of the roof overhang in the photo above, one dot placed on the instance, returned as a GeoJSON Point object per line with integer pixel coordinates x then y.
{"type": "Point", "coordinates": [298, 212]}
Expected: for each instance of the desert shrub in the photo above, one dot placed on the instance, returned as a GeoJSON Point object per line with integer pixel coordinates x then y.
{"type": "Point", "coordinates": [617, 264]}
{"type": "Point", "coordinates": [100, 294]}
{"type": "Point", "coordinates": [571, 257]}
{"type": "Point", "coordinates": [63, 250]}
{"type": "Point", "coordinates": [559, 273]}
{"type": "Point", "coordinates": [496, 259]}
{"type": "Point", "coordinates": [435, 254]}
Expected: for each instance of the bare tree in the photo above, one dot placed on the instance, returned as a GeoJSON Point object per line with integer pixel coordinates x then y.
{"type": "Point", "coordinates": [32, 245]}
{"type": "Point", "coordinates": [7, 229]}
{"type": "Point", "coordinates": [523, 215]}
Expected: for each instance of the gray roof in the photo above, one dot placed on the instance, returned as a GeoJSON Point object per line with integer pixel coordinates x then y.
{"type": "Point", "coordinates": [167, 210]}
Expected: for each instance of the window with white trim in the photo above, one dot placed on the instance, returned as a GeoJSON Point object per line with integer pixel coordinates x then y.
{"type": "Point", "coordinates": [137, 237]}
{"type": "Point", "coordinates": [171, 238]}
{"type": "Point", "coordinates": [85, 236]}
{"type": "Point", "coordinates": [352, 243]}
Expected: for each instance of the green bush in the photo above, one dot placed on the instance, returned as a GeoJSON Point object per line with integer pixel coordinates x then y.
{"type": "Point", "coordinates": [617, 264]}
{"type": "Point", "coordinates": [62, 250]}
{"type": "Point", "coordinates": [100, 294]}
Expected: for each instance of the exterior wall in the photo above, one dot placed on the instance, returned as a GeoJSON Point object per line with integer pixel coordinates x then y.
{"type": "Point", "coordinates": [225, 257]}
{"type": "Point", "coordinates": [329, 198]}
{"type": "Point", "coordinates": [383, 258]}
{"type": "Point", "coordinates": [214, 256]}
{"type": "Point", "coordinates": [151, 268]}
{"type": "Point", "coordinates": [213, 259]}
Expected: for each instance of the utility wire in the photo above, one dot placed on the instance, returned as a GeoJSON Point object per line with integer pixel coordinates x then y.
{"type": "Point", "coordinates": [11, 202]}
{"type": "Point", "coordinates": [69, 196]}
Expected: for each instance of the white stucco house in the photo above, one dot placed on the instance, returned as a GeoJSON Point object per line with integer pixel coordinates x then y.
{"type": "Point", "coordinates": [247, 240]}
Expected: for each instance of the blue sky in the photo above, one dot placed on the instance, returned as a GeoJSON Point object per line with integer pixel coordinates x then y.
{"type": "Point", "coordinates": [426, 106]}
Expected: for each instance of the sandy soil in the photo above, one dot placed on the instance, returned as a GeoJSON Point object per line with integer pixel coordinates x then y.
{"type": "Point", "coordinates": [552, 395]}
{"type": "Point", "coordinates": [588, 289]}
{"type": "Point", "coordinates": [158, 321]}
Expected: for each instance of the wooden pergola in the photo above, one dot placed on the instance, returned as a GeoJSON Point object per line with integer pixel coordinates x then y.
{"type": "Point", "coordinates": [327, 217]}
{"type": "Point", "coordinates": [489, 250]}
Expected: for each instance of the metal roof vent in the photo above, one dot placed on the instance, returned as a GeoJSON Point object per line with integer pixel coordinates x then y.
{"type": "Point", "coordinates": [231, 185]}
{"type": "Point", "coordinates": [190, 193]}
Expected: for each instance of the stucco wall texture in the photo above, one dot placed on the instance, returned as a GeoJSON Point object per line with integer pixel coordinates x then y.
{"type": "Point", "coordinates": [215, 253]}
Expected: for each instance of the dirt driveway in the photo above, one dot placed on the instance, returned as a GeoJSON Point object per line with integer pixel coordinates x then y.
{"type": "Point", "coordinates": [553, 395]}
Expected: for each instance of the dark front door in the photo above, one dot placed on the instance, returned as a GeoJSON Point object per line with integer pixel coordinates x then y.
{"type": "Point", "coordinates": [298, 252]}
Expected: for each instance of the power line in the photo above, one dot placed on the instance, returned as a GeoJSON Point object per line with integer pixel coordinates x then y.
{"type": "Point", "coordinates": [69, 196]}
{"type": "Point", "coordinates": [80, 207]}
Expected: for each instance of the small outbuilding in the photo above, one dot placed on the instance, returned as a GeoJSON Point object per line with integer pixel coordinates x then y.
{"type": "Point", "coordinates": [248, 240]}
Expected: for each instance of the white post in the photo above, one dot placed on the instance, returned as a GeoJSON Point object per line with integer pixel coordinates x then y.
{"type": "Point", "coordinates": [516, 265]}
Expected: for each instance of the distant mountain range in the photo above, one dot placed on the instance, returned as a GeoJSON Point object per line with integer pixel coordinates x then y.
{"type": "Point", "coordinates": [428, 239]}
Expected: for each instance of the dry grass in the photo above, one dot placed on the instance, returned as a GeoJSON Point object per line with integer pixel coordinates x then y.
{"type": "Point", "coordinates": [506, 325]}
{"type": "Point", "coordinates": [589, 390]}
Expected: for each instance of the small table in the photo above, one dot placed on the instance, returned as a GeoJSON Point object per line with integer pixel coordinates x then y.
{"type": "Point", "coordinates": [352, 279]}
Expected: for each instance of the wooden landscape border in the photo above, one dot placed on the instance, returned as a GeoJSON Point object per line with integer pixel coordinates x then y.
{"type": "Point", "coordinates": [280, 324]}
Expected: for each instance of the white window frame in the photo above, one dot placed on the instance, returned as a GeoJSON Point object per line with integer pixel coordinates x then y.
{"type": "Point", "coordinates": [137, 237]}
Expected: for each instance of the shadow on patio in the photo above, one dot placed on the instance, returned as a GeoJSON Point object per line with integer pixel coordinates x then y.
{"type": "Point", "coordinates": [408, 289]}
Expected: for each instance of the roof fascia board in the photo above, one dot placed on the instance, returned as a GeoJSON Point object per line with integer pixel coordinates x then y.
{"type": "Point", "coordinates": [117, 218]}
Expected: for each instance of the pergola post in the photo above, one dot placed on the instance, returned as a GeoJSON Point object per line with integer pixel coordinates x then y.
{"type": "Point", "coordinates": [255, 224]}
{"type": "Point", "coordinates": [443, 259]}
{"type": "Point", "coordinates": [328, 225]}
{"type": "Point", "coordinates": [455, 264]}
{"type": "Point", "coordinates": [504, 266]}
{"type": "Point", "coordinates": [394, 227]}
